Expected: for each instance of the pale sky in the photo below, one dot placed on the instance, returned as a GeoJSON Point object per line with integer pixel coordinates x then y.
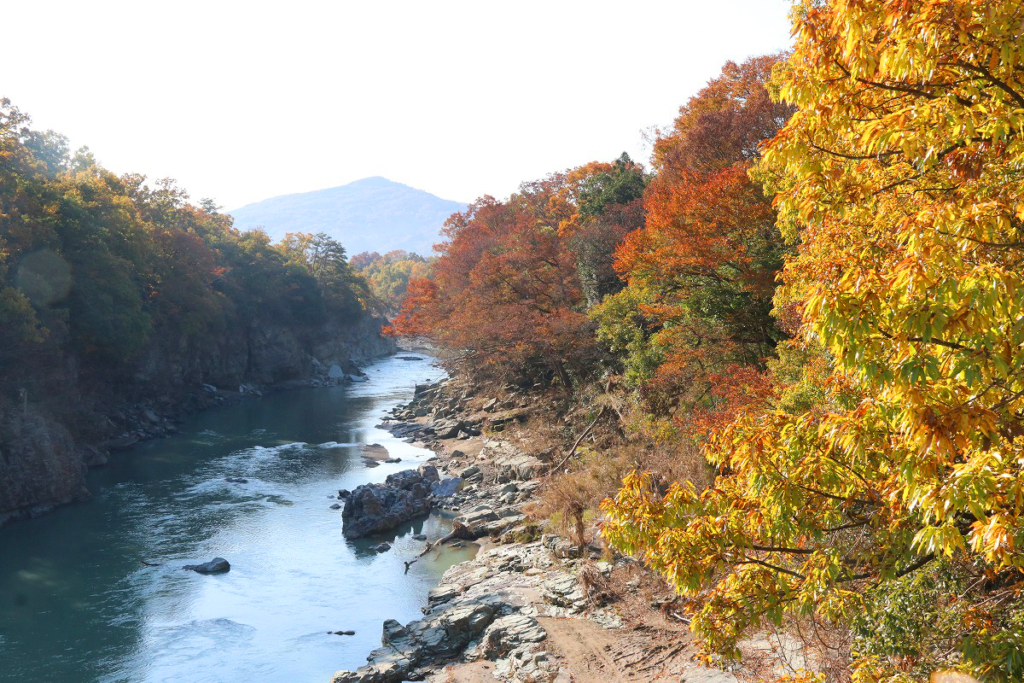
{"type": "Point", "coordinates": [240, 101]}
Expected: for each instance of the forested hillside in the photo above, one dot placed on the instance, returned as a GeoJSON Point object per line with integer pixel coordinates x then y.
{"type": "Point", "coordinates": [389, 275]}
{"type": "Point", "coordinates": [803, 334]}
{"type": "Point", "coordinates": [120, 297]}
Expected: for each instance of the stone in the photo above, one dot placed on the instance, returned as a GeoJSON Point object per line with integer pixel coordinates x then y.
{"type": "Point", "coordinates": [335, 506]}
{"type": "Point", "coordinates": [478, 517]}
{"type": "Point", "coordinates": [448, 429]}
{"type": "Point", "coordinates": [437, 637]}
{"type": "Point", "coordinates": [217, 565]}
{"type": "Point", "coordinates": [373, 508]}
{"type": "Point", "coordinates": [509, 632]}
{"type": "Point", "coordinates": [382, 547]}
{"type": "Point", "coordinates": [446, 487]}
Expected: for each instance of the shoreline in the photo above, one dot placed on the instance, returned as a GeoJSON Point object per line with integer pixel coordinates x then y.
{"type": "Point", "coordinates": [149, 419]}
{"type": "Point", "coordinates": [531, 606]}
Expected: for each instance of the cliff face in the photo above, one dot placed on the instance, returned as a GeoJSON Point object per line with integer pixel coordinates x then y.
{"type": "Point", "coordinates": [39, 466]}
{"type": "Point", "coordinates": [67, 421]}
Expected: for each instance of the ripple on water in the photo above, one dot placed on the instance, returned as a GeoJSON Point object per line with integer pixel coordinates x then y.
{"type": "Point", "coordinates": [180, 643]}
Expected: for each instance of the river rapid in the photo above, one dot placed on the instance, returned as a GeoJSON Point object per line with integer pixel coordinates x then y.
{"type": "Point", "coordinates": [78, 603]}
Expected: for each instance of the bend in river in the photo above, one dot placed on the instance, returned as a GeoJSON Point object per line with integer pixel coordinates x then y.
{"type": "Point", "coordinates": [77, 602]}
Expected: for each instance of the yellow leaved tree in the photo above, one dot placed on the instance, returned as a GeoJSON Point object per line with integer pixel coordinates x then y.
{"type": "Point", "coordinates": [894, 502]}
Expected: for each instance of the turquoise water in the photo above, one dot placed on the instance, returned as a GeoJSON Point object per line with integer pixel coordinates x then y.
{"type": "Point", "coordinates": [77, 602]}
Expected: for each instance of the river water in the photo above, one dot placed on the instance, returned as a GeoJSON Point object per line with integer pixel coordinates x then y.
{"type": "Point", "coordinates": [78, 604]}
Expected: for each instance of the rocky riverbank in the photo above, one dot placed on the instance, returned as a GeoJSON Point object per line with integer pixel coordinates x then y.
{"type": "Point", "coordinates": [532, 606]}
{"type": "Point", "coordinates": [69, 421]}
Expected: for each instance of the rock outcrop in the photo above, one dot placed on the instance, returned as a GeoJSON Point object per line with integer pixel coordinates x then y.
{"type": "Point", "coordinates": [71, 415]}
{"type": "Point", "coordinates": [39, 467]}
{"type": "Point", "coordinates": [482, 609]}
{"type": "Point", "coordinates": [374, 508]}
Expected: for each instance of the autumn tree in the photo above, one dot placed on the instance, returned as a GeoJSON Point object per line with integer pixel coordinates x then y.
{"type": "Point", "coordinates": [388, 276]}
{"type": "Point", "coordinates": [701, 272]}
{"type": "Point", "coordinates": [343, 290]}
{"type": "Point", "coordinates": [96, 268]}
{"type": "Point", "coordinates": [506, 294]}
{"type": "Point", "coordinates": [507, 288]}
{"type": "Point", "coordinates": [892, 501]}
{"type": "Point", "coordinates": [597, 205]}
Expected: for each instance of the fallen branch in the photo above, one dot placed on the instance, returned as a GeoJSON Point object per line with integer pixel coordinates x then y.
{"type": "Point", "coordinates": [459, 532]}
{"type": "Point", "coordinates": [572, 451]}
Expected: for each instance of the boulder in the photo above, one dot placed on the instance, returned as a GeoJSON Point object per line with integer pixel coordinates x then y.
{"type": "Point", "coordinates": [471, 473]}
{"type": "Point", "coordinates": [448, 429]}
{"type": "Point", "coordinates": [446, 487]}
{"type": "Point", "coordinates": [217, 565]}
{"type": "Point", "coordinates": [508, 633]}
{"type": "Point", "coordinates": [373, 508]}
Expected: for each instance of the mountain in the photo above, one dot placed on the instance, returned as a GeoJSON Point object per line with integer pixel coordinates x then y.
{"type": "Point", "coordinates": [372, 214]}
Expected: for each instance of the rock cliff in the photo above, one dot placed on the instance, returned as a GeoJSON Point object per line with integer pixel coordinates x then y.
{"type": "Point", "coordinates": [66, 419]}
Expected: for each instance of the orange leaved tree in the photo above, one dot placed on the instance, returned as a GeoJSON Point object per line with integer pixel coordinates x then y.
{"type": "Point", "coordinates": [702, 272]}
{"type": "Point", "coordinates": [508, 286]}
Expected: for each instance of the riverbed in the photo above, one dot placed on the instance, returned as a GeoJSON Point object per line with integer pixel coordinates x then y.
{"type": "Point", "coordinates": [79, 601]}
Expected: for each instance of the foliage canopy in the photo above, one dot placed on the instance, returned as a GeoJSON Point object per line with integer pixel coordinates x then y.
{"type": "Point", "coordinates": [899, 183]}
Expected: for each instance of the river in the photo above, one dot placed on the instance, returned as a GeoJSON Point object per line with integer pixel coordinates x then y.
{"type": "Point", "coordinates": [78, 604]}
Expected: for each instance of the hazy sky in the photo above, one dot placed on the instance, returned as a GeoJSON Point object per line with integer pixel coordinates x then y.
{"type": "Point", "coordinates": [240, 101]}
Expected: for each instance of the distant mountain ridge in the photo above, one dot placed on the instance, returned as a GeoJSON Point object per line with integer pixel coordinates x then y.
{"type": "Point", "coordinates": [372, 214]}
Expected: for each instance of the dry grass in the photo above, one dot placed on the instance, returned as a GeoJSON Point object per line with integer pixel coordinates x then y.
{"type": "Point", "coordinates": [571, 498]}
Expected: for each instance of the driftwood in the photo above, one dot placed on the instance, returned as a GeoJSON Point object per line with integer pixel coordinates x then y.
{"type": "Point", "coordinates": [459, 532]}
